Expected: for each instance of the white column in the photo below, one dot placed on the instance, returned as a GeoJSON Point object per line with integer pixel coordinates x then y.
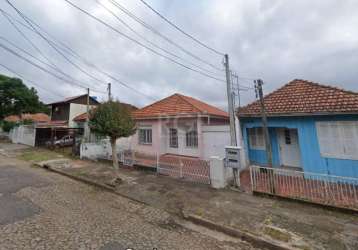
{"type": "Point", "coordinates": [217, 172]}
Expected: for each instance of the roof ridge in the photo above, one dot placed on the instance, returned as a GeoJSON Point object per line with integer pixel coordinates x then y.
{"type": "Point", "coordinates": [185, 98]}
{"type": "Point", "coordinates": [324, 85]}
{"type": "Point", "coordinates": [189, 98]}
{"type": "Point", "coordinates": [156, 102]}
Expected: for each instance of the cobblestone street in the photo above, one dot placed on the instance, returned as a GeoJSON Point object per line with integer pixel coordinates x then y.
{"type": "Point", "coordinates": [42, 210]}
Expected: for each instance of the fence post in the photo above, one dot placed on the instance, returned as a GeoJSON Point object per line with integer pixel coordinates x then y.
{"type": "Point", "coordinates": [181, 168]}
{"type": "Point", "coordinates": [157, 166]}
{"type": "Point", "coordinates": [251, 179]}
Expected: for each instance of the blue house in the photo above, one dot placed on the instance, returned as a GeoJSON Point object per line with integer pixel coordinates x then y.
{"type": "Point", "coordinates": [312, 127]}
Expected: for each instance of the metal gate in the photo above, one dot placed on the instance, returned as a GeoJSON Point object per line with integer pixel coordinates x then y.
{"type": "Point", "coordinates": [186, 168]}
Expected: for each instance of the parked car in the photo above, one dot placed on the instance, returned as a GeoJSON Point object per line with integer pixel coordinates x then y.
{"type": "Point", "coordinates": [67, 140]}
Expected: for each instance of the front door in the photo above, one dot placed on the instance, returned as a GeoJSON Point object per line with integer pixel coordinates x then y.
{"type": "Point", "coordinates": [289, 148]}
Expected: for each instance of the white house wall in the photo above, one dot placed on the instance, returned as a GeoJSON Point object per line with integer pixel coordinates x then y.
{"type": "Point", "coordinates": [23, 134]}
{"type": "Point", "coordinates": [215, 138]}
{"type": "Point", "coordinates": [75, 110]}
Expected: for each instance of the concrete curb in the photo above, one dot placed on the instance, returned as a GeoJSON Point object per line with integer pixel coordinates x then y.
{"type": "Point", "coordinates": [90, 182]}
{"type": "Point", "coordinates": [345, 210]}
{"type": "Point", "coordinates": [254, 240]}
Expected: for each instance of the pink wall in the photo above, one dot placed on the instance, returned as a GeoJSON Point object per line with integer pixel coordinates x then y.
{"type": "Point", "coordinates": [160, 136]}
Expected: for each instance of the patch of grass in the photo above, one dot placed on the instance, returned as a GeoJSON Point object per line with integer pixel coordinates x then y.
{"type": "Point", "coordinates": [39, 155]}
{"type": "Point", "coordinates": [277, 234]}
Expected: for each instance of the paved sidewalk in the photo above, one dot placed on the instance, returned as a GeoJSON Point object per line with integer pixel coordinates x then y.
{"type": "Point", "coordinates": [285, 223]}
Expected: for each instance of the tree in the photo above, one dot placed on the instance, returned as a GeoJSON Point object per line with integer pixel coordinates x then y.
{"type": "Point", "coordinates": [16, 98]}
{"type": "Point", "coordinates": [112, 119]}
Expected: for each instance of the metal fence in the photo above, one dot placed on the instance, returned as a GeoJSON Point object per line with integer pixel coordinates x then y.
{"type": "Point", "coordinates": [185, 168]}
{"type": "Point", "coordinates": [318, 188]}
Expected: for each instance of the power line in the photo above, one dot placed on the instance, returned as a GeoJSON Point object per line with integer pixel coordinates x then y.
{"type": "Point", "coordinates": [39, 60]}
{"type": "Point", "coordinates": [33, 83]}
{"type": "Point", "coordinates": [74, 54]}
{"type": "Point", "coordinates": [44, 69]}
{"type": "Point", "coordinates": [25, 37]}
{"type": "Point", "coordinates": [181, 30]}
{"type": "Point", "coordinates": [148, 41]}
{"type": "Point", "coordinates": [26, 19]}
{"type": "Point", "coordinates": [152, 29]}
{"type": "Point", "coordinates": [139, 43]}
{"type": "Point", "coordinates": [50, 64]}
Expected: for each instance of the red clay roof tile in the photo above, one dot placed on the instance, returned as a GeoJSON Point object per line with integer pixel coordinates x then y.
{"type": "Point", "coordinates": [305, 97]}
{"type": "Point", "coordinates": [178, 104]}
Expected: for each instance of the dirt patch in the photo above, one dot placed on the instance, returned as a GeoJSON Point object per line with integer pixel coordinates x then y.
{"type": "Point", "coordinates": [277, 234]}
{"type": "Point", "coordinates": [38, 155]}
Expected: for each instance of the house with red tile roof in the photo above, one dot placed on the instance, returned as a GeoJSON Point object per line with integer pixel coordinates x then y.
{"type": "Point", "coordinates": [181, 125]}
{"type": "Point", "coordinates": [312, 127]}
{"type": "Point", "coordinates": [37, 118]}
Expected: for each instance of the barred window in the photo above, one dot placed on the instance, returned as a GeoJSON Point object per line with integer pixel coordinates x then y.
{"type": "Point", "coordinates": [192, 139]}
{"type": "Point", "coordinates": [145, 136]}
{"type": "Point", "coordinates": [173, 138]}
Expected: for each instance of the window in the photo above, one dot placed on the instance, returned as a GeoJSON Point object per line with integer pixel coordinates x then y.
{"type": "Point", "coordinates": [173, 138]}
{"type": "Point", "coordinates": [192, 139]}
{"type": "Point", "coordinates": [145, 136]}
{"type": "Point", "coordinates": [338, 139]}
{"type": "Point", "coordinates": [287, 136]}
{"type": "Point", "coordinates": [256, 138]}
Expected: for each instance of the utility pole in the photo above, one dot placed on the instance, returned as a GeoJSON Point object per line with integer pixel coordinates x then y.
{"type": "Point", "coordinates": [259, 92]}
{"type": "Point", "coordinates": [87, 134]}
{"type": "Point", "coordinates": [109, 92]}
{"type": "Point", "coordinates": [230, 101]}
{"type": "Point", "coordinates": [231, 111]}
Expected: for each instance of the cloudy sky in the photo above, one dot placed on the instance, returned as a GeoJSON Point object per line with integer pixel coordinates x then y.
{"type": "Point", "coordinates": [275, 40]}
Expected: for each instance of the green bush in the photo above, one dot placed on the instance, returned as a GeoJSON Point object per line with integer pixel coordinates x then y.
{"type": "Point", "coordinates": [7, 126]}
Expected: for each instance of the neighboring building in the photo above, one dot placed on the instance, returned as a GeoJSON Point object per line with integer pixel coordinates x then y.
{"type": "Point", "coordinates": [62, 115]}
{"type": "Point", "coordinates": [36, 118]}
{"type": "Point", "coordinates": [66, 110]}
{"type": "Point", "coordinates": [181, 125]}
{"type": "Point", "coordinates": [312, 127]}
{"type": "Point", "coordinates": [81, 119]}
{"type": "Point", "coordinates": [26, 134]}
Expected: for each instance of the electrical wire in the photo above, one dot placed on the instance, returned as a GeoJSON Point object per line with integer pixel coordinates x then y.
{"type": "Point", "coordinates": [54, 47]}
{"type": "Point", "coordinates": [75, 55]}
{"type": "Point", "coordinates": [181, 30]}
{"type": "Point", "coordinates": [150, 42]}
{"type": "Point", "coordinates": [33, 83]}
{"type": "Point", "coordinates": [152, 29]}
{"type": "Point", "coordinates": [139, 43]}
{"type": "Point", "coordinates": [41, 61]}
{"type": "Point", "coordinates": [44, 69]}
{"type": "Point", "coordinates": [26, 38]}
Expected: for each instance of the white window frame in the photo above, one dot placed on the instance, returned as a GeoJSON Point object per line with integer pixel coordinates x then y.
{"type": "Point", "coordinates": [191, 139]}
{"type": "Point", "coordinates": [147, 138]}
{"type": "Point", "coordinates": [338, 139]}
{"type": "Point", "coordinates": [256, 138]}
{"type": "Point", "coordinates": [173, 138]}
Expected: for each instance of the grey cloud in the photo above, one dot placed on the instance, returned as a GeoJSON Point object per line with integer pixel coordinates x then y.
{"type": "Point", "coordinates": [274, 40]}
